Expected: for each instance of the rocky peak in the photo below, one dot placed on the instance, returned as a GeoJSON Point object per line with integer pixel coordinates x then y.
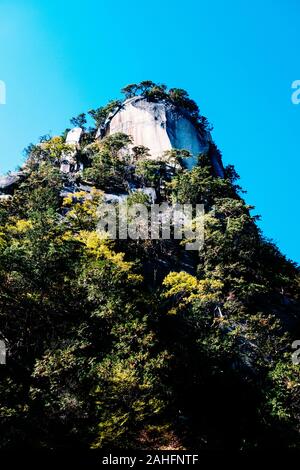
{"type": "Point", "coordinates": [159, 126]}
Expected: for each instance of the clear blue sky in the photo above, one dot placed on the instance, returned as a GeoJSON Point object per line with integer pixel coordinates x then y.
{"type": "Point", "coordinates": [237, 59]}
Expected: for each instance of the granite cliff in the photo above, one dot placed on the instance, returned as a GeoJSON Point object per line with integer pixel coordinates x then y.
{"type": "Point", "coordinates": [158, 125]}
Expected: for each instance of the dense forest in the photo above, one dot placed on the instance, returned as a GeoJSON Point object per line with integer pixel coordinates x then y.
{"type": "Point", "coordinates": [139, 343]}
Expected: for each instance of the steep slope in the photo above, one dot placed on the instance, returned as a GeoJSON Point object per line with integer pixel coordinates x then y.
{"type": "Point", "coordinates": [131, 343]}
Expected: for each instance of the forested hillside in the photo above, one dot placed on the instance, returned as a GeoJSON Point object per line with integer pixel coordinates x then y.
{"type": "Point", "coordinates": [137, 343]}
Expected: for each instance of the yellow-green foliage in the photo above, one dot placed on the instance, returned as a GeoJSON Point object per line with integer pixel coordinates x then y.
{"type": "Point", "coordinates": [93, 359]}
{"type": "Point", "coordinates": [185, 289]}
{"type": "Point", "coordinates": [56, 147]}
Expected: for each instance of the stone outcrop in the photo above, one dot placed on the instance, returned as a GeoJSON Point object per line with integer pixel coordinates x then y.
{"type": "Point", "coordinates": [159, 126]}
{"type": "Point", "coordinates": [8, 182]}
{"type": "Point", "coordinates": [68, 162]}
{"type": "Point", "coordinates": [74, 135]}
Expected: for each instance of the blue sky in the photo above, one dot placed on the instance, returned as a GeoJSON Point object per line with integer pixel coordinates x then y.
{"type": "Point", "coordinates": [237, 59]}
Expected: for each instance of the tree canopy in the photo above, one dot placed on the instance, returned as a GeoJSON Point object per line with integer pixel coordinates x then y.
{"type": "Point", "coordinates": [139, 343]}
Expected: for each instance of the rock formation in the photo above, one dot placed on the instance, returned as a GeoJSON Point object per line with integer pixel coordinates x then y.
{"type": "Point", "coordinates": [159, 126]}
{"type": "Point", "coordinates": [8, 183]}
{"type": "Point", "coordinates": [68, 160]}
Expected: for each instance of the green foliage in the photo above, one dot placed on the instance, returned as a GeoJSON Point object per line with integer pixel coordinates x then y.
{"type": "Point", "coordinates": [177, 158]}
{"type": "Point", "coordinates": [100, 114]}
{"type": "Point", "coordinates": [49, 151]}
{"type": "Point", "coordinates": [112, 341]}
{"type": "Point", "coordinates": [151, 172]}
{"type": "Point", "coordinates": [181, 98]}
{"type": "Point", "coordinates": [130, 90]}
{"type": "Point", "coordinates": [79, 121]}
{"type": "Point", "coordinates": [109, 157]}
{"type": "Point", "coordinates": [177, 96]}
{"type": "Point", "coordinates": [140, 152]}
{"type": "Point", "coordinates": [283, 396]}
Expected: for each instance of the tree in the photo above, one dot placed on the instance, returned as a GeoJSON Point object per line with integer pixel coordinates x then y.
{"type": "Point", "coordinates": [140, 152]}
{"type": "Point", "coordinates": [49, 151]}
{"type": "Point", "coordinates": [109, 158]}
{"type": "Point", "coordinates": [145, 86]}
{"type": "Point", "coordinates": [151, 172]}
{"type": "Point", "coordinates": [101, 114]}
{"type": "Point", "coordinates": [79, 121]}
{"type": "Point", "coordinates": [181, 98]}
{"type": "Point", "coordinates": [156, 93]}
{"type": "Point", "coordinates": [130, 90]}
{"type": "Point", "coordinates": [117, 343]}
{"type": "Point", "coordinates": [177, 157]}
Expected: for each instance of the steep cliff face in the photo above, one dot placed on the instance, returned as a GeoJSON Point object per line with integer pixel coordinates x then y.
{"type": "Point", "coordinates": [159, 126]}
